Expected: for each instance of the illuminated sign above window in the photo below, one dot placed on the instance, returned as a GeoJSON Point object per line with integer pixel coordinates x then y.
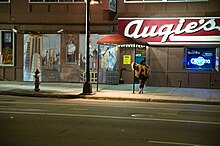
{"type": "Point", "coordinates": [172, 30]}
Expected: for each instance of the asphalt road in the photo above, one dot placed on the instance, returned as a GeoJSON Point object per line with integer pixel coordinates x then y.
{"type": "Point", "coordinates": [69, 122]}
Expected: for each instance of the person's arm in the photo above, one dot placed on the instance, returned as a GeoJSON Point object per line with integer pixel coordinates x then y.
{"type": "Point", "coordinates": [133, 66]}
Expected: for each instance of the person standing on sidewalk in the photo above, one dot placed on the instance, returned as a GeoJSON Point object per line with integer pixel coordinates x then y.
{"type": "Point", "coordinates": [142, 72]}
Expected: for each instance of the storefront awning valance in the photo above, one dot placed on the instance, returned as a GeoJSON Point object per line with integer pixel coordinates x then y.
{"type": "Point", "coordinates": [119, 40]}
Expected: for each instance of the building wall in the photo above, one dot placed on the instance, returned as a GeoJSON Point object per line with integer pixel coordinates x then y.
{"type": "Point", "coordinates": [167, 69]}
{"type": "Point", "coordinates": [69, 71]}
{"type": "Point", "coordinates": [47, 18]}
{"type": "Point", "coordinates": [151, 10]}
{"type": "Point", "coordinates": [166, 61]}
{"type": "Point", "coordinates": [20, 11]}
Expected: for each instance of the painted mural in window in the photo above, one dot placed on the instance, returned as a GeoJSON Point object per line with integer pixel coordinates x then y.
{"type": "Point", "coordinates": [6, 49]}
{"type": "Point", "coordinates": [108, 57]}
{"type": "Point", "coordinates": [108, 64]}
{"type": "Point", "coordinates": [105, 62]}
{"type": "Point", "coordinates": [71, 50]}
{"type": "Point", "coordinates": [42, 52]}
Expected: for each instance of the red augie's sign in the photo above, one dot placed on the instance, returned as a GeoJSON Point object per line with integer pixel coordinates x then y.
{"type": "Point", "coordinates": [172, 30]}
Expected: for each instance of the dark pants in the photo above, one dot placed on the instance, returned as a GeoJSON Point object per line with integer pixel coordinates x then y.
{"type": "Point", "coordinates": [142, 80]}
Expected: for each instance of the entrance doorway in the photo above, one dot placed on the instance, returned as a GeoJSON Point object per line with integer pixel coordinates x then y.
{"type": "Point", "coordinates": [126, 73]}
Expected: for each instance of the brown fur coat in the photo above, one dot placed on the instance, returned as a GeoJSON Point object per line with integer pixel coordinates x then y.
{"type": "Point", "coordinates": [139, 67]}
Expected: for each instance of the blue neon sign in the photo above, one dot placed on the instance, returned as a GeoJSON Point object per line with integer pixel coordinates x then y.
{"type": "Point", "coordinates": [200, 61]}
{"type": "Point", "coordinates": [200, 58]}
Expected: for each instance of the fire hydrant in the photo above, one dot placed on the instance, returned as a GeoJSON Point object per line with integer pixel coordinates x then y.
{"type": "Point", "coordinates": [37, 82]}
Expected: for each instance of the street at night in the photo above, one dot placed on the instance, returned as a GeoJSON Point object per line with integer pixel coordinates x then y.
{"type": "Point", "coordinates": [109, 73]}
{"type": "Point", "coordinates": [29, 121]}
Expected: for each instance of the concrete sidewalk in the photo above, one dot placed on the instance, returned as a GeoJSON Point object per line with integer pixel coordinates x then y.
{"type": "Point", "coordinates": [113, 92]}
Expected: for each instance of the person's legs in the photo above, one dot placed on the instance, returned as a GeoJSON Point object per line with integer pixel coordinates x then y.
{"type": "Point", "coordinates": [141, 87]}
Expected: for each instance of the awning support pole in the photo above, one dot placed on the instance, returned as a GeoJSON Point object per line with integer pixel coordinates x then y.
{"type": "Point", "coordinates": [98, 70]}
{"type": "Point", "coordinates": [134, 69]}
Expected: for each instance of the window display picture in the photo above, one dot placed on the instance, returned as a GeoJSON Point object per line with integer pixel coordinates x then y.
{"type": "Point", "coordinates": [93, 56]}
{"type": "Point", "coordinates": [42, 52]}
{"type": "Point", "coordinates": [6, 49]}
{"type": "Point", "coordinates": [108, 57]}
{"type": "Point", "coordinates": [71, 50]}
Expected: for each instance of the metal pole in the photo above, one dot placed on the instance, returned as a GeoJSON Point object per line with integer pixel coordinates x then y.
{"type": "Point", "coordinates": [87, 87]}
{"type": "Point", "coordinates": [98, 69]}
{"type": "Point", "coordinates": [87, 41]}
{"type": "Point", "coordinates": [134, 69]}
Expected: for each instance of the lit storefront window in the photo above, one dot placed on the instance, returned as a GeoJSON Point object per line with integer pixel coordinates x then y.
{"type": "Point", "coordinates": [6, 48]}
{"type": "Point", "coordinates": [4, 1]}
{"type": "Point", "coordinates": [200, 58]}
{"type": "Point", "coordinates": [42, 52]}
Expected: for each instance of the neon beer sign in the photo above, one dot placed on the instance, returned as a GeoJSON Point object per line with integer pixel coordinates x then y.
{"type": "Point", "coordinates": [200, 61]}
{"type": "Point", "coordinates": [200, 58]}
{"type": "Point", "coordinates": [168, 30]}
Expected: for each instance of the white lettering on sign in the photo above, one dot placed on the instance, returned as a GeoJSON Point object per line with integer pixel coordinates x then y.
{"type": "Point", "coordinates": [167, 30]}
{"type": "Point", "coordinates": [200, 61]}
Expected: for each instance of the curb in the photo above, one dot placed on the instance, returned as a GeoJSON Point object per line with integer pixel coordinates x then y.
{"type": "Point", "coordinates": [92, 96]}
{"type": "Point", "coordinates": [156, 100]}
{"type": "Point", "coordinates": [40, 95]}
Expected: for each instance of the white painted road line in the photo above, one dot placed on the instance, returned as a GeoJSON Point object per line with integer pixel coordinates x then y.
{"type": "Point", "coordinates": [111, 117]}
{"type": "Point", "coordinates": [133, 107]}
{"type": "Point", "coordinates": [174, 143]}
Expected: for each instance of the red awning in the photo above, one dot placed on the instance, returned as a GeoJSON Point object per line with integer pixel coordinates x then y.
{"type": "Point", "coordinates": [119, 39]}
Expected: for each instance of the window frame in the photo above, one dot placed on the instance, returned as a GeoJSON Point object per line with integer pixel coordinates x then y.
{"type": "Point", "coordinates": [58, 1]}
{"type": "Point", "coordinates": [215, 68]}
{"type": "Point", "coordinates": [164, 1]}
{"type": "Point", "coordinates": [9, 1]}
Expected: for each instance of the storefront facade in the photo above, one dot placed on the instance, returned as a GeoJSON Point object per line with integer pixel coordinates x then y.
{"type": "Point", "coordinates": [51, 36]}
{"type": "Point", "coordinates": [182, 51]}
